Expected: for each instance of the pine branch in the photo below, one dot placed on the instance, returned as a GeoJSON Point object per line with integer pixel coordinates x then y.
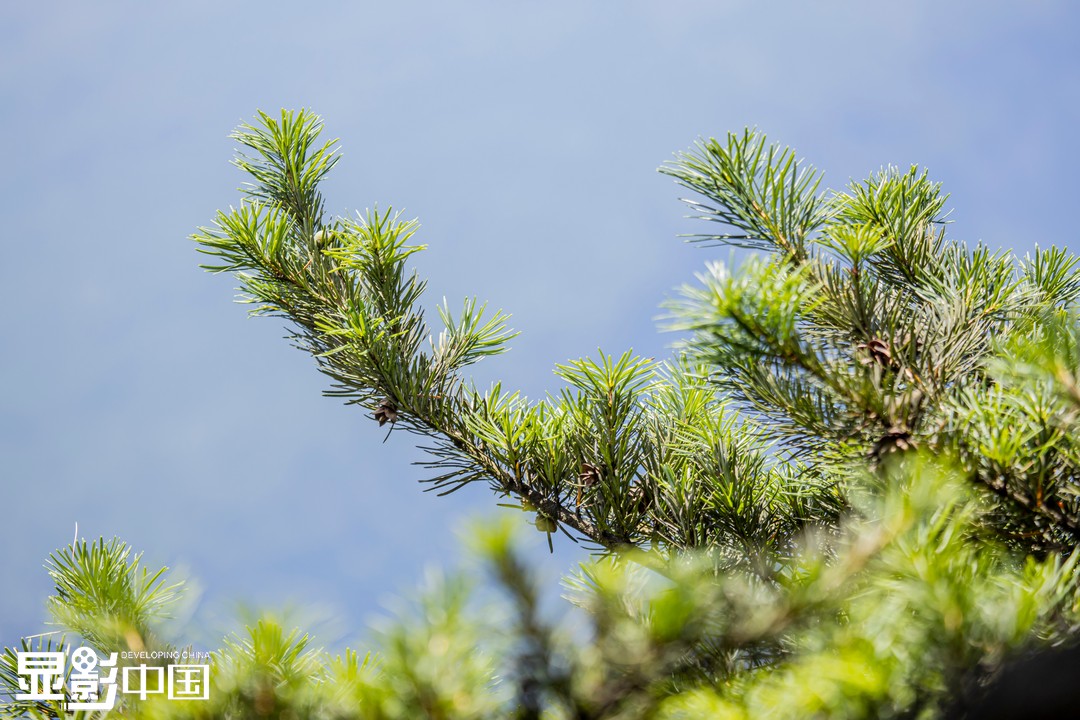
{"type": "Point", "coordinates": [584, 461]}
{"type": "Point", "coordinates": [871, 330]}
{"type": "Point", "coordinates": [757, 189]}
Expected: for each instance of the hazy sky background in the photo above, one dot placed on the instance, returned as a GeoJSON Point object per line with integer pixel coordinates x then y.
{"type": "Point", "coordinates": [138, 402]}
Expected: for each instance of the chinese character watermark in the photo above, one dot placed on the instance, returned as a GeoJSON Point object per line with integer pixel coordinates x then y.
{"type": "Point", "coordinates": [86, 681]}
{"type": "Point", "coordinates": [41, 674]}
{"type": "Point", "coordinates": [92, 684]}
{"type": "Point", "coordinates": [189, 682]}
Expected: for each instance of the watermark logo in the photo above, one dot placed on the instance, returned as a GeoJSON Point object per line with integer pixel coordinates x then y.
{"type": "Point", "coordinates": [92, 682]}
{"type": "Point", "coordinates": [41, 674]}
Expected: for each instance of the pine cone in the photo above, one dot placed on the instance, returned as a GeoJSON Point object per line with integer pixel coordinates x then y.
{"type": "Point", "coordinates": [897, 439]}
{"type": "Point", "coordinates": [640, 499]}
{"type": "Point", "coordinates": [589, 476]}
{"type": "Point", "coordinates": [386, 412]}
{"type": "Point", "coordinates": [877, 350]}
{"type": "Point", "coordinates": [545, 523]}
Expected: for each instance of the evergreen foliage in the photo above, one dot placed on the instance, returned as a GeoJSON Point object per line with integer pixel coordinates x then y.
{"type": "Point", "coordinates": [851, 493]}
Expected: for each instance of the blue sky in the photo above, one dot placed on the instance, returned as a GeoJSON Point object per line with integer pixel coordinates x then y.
{"type": "Point", "coordinates": [138, 402]}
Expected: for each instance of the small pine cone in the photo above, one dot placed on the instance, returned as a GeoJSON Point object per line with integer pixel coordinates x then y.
{"type": "Point", "coordinates": [386, 412]}
{"type": "Point", "coordinates": [324, 238]}
{"type": "Point", "coordinates": [589, 476]}
{"type": "Point", "coordinates": [545, 523]}
{"type": "Point", "coordinates": [639, 498]}
{"type": "Point", "coordinates": [877, 351]}
{"type": "Point", "coordinates": [897, 439]}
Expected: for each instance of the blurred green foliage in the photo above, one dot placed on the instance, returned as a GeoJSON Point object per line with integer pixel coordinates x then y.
{"type": "Point", "coordinates": [896, 614]}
